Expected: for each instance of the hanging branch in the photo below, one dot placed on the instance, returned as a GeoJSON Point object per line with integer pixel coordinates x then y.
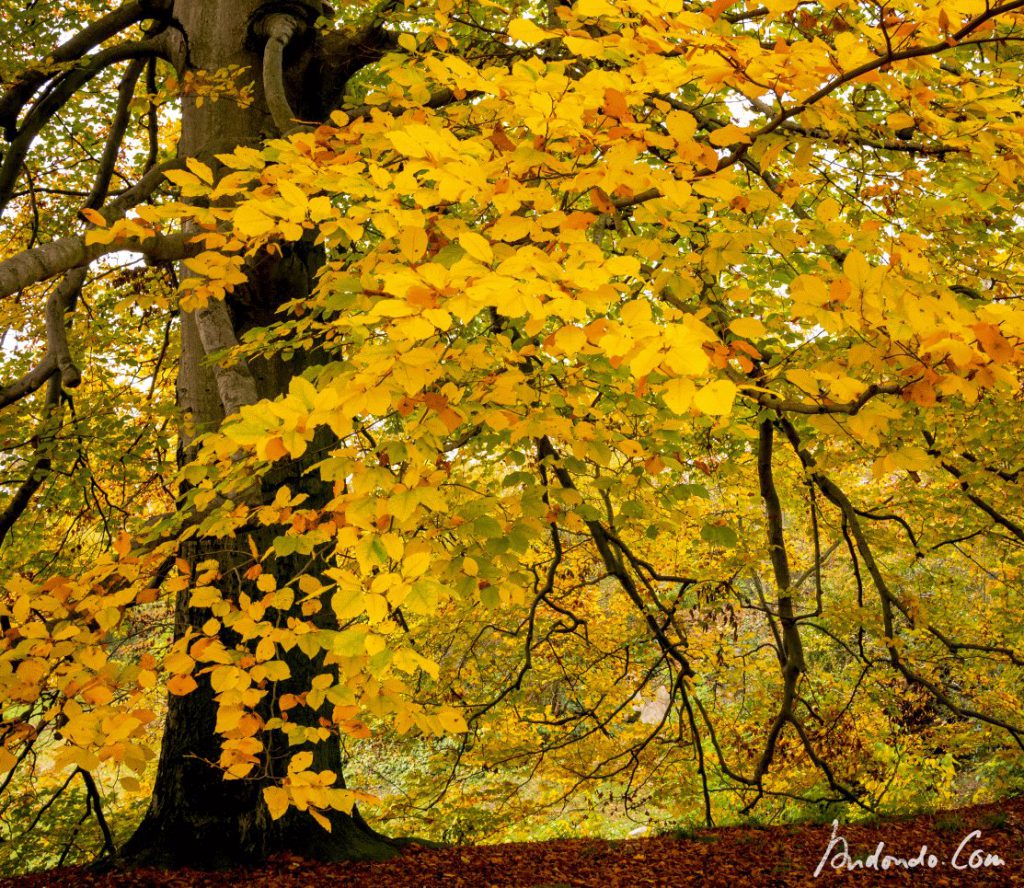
{"type": "Point", "coordinates": [792, 648]}
{"type": "Point", "coordinates": [53, 101]}
{"type": "Point", "coordinates": [92, 35]}
{"type": "Point", "coordinates": [118, 128]}
{"type": "Point", "coordinates": [97, 807]}
{"type": "Point", "coordinates": [60, 302]}
{"type": "Point", "coordinates": [279, 28]}
{"type": "Point", "coordinates": [41, 467]}
{"type": "Point", "coordinates": [888, 598]}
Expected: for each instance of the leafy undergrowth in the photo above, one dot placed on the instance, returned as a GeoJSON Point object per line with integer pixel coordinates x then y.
{"type": "Point", "coordinates": [764, 857]}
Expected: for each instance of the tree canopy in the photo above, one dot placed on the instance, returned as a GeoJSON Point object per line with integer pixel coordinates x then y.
{"type": "Point", "coordinates": [615, 411]}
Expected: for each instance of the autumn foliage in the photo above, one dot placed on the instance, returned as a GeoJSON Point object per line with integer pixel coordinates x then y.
{"type": "Point", "coordinates": [644, 449]}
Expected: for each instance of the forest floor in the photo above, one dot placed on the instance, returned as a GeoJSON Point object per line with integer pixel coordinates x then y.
{"type": "Point", "coordinates": [739, 856]}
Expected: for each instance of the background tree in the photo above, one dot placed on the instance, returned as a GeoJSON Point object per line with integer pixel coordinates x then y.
{"type": "Point", "coordinates": [627, 389]}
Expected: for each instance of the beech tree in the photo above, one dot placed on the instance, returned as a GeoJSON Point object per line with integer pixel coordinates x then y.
{"type": "Point", "coordinates": [628, 390]}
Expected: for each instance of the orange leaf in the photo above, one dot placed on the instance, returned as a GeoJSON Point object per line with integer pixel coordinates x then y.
{"type": "Point", "coordinates": [615, 105]}
{"type": "Point", "coordinates": [181, 685]}
{"type": "Point", "coordinates": [602, 202]}
{"type": "Point", "coordinates": [94, 217]}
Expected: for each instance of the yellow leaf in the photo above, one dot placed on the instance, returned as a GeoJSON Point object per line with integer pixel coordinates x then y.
{"type": "Point", "coordinates": [300, 762]}
{"type": "Point", "coordinates": [183, 179]}
{"type": "Point", "coordinates": [749, 328]}
{"type": "Point", "coordinates": [242, 159]}
{"type": "Point", "coordinates": [413, 243]}
{"type": "Point", "coordinates": [804, 380]}
{"type": "Point", "coordinates": [570, 339]}
{"type": "Point", "coordinates": [7, 760]}
{"type": "Point", "coordinates": [681, 126]}
{"type": "Point", "coordinates": [416, 564]}
{"type": "Point", "coordinates": [477, 246]}
{"type": "Point", "coordinates": [678, 395]}
{"type": "Point", "coordinates": [729, 135]}
{"type": "Point", "coordinates": [250, 221]}
{"type": "Point", "coordinates": [827, 210]}
{"type": "Point", "coordinates": [716, 398]}
{"type": "Point", "coordinates": [858, 270]}
{"type": "Point", "coordinates": [276, 800]}
{"type": "Point", "coordinates": [181, 685]}
{"type": "Point", "coordinates": [319, 818]}
{"type": "Point", "coordinates": [900, 120]}
{"type": "Point", "coordinates": [595, 8]}
{"type": "Point", "coordinates": [292, 193]}
{"type": "Point", "coordinates": [452, 721]}
{"type": "Point", "coordinates": [96, 218]}
{"type": "Point", "coordinates": [407, 144]}
{"type": "Point", "coordinates": [376, 607]}
{"type": "Point", "coordinates": [526, 31]}
{"type": "Point", "coordinates": [200, 169]}
{"type": "Point", "coordinates": [179, 663]}
{"type": "Point", "coordinates": [347, 603]}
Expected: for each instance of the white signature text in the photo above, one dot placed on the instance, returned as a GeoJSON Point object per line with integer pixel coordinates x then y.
{"type": "Point", "coordinates": [968, 856]}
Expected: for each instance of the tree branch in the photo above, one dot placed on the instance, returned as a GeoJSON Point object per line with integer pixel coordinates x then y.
{"type": "Point", "coordinates": [53, 101]}
{"type": "Point", "coordinates": [40, 469]}
{"type": "Point", "coordinates": [49, 260]}
{"type": "Point", "coordinates": [279, 29]}
{"type": "Point", "coordinates": [235, 383]}
{"type": "Point", "coordinates": [91, 36]}
{"type": "Point", "coordinates": [118, 128]}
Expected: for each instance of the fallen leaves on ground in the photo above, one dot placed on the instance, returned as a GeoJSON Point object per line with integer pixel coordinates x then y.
{"type": "Point", "coordinates": [730, 856]}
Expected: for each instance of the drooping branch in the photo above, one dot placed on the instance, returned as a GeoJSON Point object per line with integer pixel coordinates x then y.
{"type": "Point", "coordinates": [279, 28]}
{"type": "Point", "coordinates": [614, 565]}
{"type": "Point", "coordinates": [118, 128]}
{"type": "Point", "coordinates": [73, 49]}
{"type": "Point", "coordinates": [42, 465]}
{"type": "Point", "coordinates": [96, 804]}
{"type": "Point", "coordinates": [56, 99]}
{"type": "Point", "coordinates": [888, 599]}
{"type": "Point", "coordinates": [59, 303]}
{"type": "Point", "coordinates": [990, 510]}
{"type": "Point", "coordinates": [792, 648]}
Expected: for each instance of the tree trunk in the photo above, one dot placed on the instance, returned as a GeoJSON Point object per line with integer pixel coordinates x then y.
{"type": "Point", "coordinates": [196, 817]}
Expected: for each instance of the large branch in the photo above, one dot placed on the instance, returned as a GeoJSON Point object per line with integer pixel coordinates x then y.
{"type": "Point", "coordinates": [59, 256]}
{"type": "Point", "coordinates": [279, 29]}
